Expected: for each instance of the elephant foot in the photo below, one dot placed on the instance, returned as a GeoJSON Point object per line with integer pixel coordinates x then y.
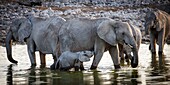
{"type": "Point", "coordinates": [153, 53]}
{"type": "Point", "coordinates": [93, 67]}
{"type": "Point", "coordinates": [82, 68]}
{"type": "Point", "coordinates": [52, 67]}
{"type": "Point", "coordinates": [160, 53]}
{"type": "Point", "coordinates": [65, 68]}
{"type": "Point", "coordinates": [76, 68]}
{"type": "Point", "coordinates": [33, 65]}
{"type": "Point", "coordinates": [117, 66]}
{"type": "Point", "coordinates": [42, 65]}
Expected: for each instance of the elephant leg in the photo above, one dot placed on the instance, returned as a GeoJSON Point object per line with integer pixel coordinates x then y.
{"type": "Point", "coordinates": [77, 65]}
{"type": "Point", "coordinates": [121, 51]}
{"type": "Point", "coordinates": [161, 41]}
{"type": "Point", "coordinates": [81, 66]}
{"type": "Point", "coordinates": [127, 57]}
{"type": "Point", "coordinates": [42, 59]}
{"type": "Point", "coordinates": [98, 52]}
{"type": "Point", "coordinates": [149, 46]}
{"type": "Point", "coordinates": [54, 58]}
{"type": "Point", "coordinates": [52, 67]}
{"type": "Point", "coordinates": [31, 52]}
{"type": "Point", "coordinates": [153, 43]}
{"type": "Point", "coordinates": [114, 52]}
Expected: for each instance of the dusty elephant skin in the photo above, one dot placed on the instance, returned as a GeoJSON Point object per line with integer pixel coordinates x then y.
{"type": "Point", "coordinates": [69, 60]}
{"type": "Point", "coordinates": [40, 34]}
{"type": "Point", "coordinates": [125, 49]}
{"type": "Point", "coordinates": [158, 26]}
{"type": "Point", "coordinates": [100, 35]}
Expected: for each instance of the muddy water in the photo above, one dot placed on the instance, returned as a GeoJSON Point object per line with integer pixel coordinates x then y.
{"type": "Point", "coordinates": [149, 71]}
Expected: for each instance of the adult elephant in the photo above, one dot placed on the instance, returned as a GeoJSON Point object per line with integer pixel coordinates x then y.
{"type": "Point", "coordinates": [158, 26]}
{"type": "Point", "coordinates": [125, 49]}
{"type": "Point", "coordinates": [99, 35]}
{"type": "Point", "coordinates": [40, 34]}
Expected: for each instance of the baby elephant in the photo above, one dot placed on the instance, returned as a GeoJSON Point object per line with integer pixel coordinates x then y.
{"type": "Point", "coordinates": [69, 60]}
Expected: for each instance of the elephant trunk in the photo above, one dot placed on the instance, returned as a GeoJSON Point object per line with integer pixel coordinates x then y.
{"type": "Point", "coordinates": [146, 29]}
{"type": "Point", "coordinates": [130, 41]}
{"type": "Point", "coordinates": [9, 48]}
{"type": "Point", "coordinates": [134, 59]}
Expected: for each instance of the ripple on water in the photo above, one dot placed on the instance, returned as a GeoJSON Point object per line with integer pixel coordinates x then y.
{"type": "Point", "coordinates": [149, 70]}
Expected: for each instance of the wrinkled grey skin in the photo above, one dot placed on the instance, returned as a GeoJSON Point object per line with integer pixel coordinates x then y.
{"type": "Point", "coordinates": [125, 49]}
{"type": "Point", "coordinates": [40, 34]}
{"type": "Point", "coordinates": [68, 60]}
{"type": "Point", "coordinates": [158, 26]}
{"type": "Point", "coordinates": [98, 35]}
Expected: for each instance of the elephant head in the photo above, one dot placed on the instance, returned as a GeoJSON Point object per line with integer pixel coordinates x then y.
{"type": "Point", "coordinates": [85, 56]}
{"type": "Point", "coordinates": [20, 29]}
{"type": "Point", "coordinates": [114, 32]}
{"type": "Point", "coordinates": [155, 20]}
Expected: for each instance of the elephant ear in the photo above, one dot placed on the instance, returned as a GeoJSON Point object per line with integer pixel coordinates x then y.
{"type": "Point", "coordinates": [106, 32]}
{"type": "Point", "coordinates": [160, 19]}
{"type": "Point", "coordinates": [24, 30]}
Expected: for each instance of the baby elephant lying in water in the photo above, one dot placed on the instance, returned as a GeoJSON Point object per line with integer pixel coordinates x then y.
{"type": "Point", "coordinates": [69, 60]}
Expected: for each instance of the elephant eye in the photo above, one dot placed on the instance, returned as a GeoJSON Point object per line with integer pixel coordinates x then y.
{"type": "Point", "coordinates": [123, 33]}
{"type": "Point", "coordinates": [85, 55]}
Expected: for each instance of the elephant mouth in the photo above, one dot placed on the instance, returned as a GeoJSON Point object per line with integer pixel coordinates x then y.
{"type": "Point", "coordinates": [128, 44]}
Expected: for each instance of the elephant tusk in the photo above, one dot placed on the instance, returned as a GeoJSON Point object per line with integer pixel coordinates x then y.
{"type": "Point", "coordinates": [130, 45]}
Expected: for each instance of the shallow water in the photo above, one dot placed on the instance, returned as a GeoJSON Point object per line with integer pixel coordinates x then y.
{"type": "Point", "coordinates": [149, 71]}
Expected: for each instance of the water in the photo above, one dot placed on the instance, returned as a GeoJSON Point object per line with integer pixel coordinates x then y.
{"type": "Point", "coordinates": [149, 70]}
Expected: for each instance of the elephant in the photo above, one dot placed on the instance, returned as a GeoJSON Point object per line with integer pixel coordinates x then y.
{"type": "Point", "coordinates": [125, 49]}
{"type": "Point", "coordinates": [68, 60]}
{"type": "Point", "coordinates": [98, 35]}
{"type": "Point", "coordinates": [157, 25]}
{"type": "Point", "coordinates": [39, 33]}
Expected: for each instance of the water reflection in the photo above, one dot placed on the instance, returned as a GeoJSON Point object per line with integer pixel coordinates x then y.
{"type": "Point", "coordinates": [152, 69]}
{"type": "Point", "coordinates": [96, 78]}
{"type": "Point", "coordinates": [9, 75]}
{"type": "Point", "coordinates": [134, 77]}
{"type": "Point", "coordinates": [158, 62]}
{"type": "Point", "coordinates": [66, 78]}
{"type": "Point", "coordinates": [46, 77]}
{"type": "Point", "coordinates": [38, 76]}
{"type": "Point", "coordinates": [32, 76]}
{"type": "Point", "coordinates": [159, 73]}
